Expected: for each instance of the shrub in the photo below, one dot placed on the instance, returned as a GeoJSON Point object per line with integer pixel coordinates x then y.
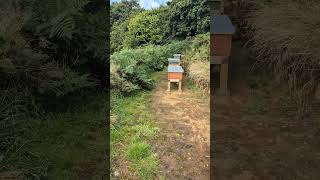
{"type": "Point", "coordinates": [131, 68]}
{"type": "Point", "coordinates": [144, 28]}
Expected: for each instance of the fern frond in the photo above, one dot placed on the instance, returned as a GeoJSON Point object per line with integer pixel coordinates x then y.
{"type": "Point", "coordinates": [62, 26]}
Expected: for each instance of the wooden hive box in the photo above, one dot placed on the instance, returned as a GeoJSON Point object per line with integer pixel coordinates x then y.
{"type": "Point", "coordinates": [174, 61]}
{"type": "Point", "coordinates": [175, 73]}
{"type": "Point", "coordinates": [221, 31]}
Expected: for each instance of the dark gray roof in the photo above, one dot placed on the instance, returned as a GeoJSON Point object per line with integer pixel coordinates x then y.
{"type": "Point", "coordinates": [173, 60]}
{"type": "Point", "coordinates": [221, 24]}
{"type": "Point", "coordinates": [175, 69]}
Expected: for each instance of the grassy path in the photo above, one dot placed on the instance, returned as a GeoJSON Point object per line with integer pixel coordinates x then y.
{"type": "Point", "coordinates": [160, 135]}
{"type": "Point", "coordinates": [132, 129]}
{"type": "Point", "coordinates": [183, 144]}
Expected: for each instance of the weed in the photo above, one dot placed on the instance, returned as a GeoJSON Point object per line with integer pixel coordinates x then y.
{"type": "Point", "coordinates": [137, 151]}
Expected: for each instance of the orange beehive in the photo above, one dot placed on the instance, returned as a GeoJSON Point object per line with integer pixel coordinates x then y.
{"type": "Point", "coordinates": [173, 75]}
{"type": "Point", "coordinates": [175, 72]}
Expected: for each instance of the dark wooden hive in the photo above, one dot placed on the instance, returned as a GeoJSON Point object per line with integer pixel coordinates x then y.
{"type": "Point", "coordinates": [221, 30]}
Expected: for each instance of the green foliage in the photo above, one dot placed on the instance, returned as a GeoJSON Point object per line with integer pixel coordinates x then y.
{"type": "Point", "coordinates": [196, 61]}
{"type": "Point", "coordinates": [123, 10]}
{"type": "Point", "coordinates": [138, 151]}
{"type": "Point", "coordinates": [147, 167]}
{"type": "Point", "coordinates": [71, 32]}
{"type": "Point", "coordinates": [144, 28]}
{"type": "Point", "coordinates": [131, 68]}
{"type": "Point", "coordinates": [57, 145]}
{"type": "Point", "coordinates": [177, 20]}
{"type": "Point", "coordinates": [117, 35]}
{"type": "Point", "coordinates": [188, 18]}
{"type": "Point", "coordinates": [132, 126]}
{"type": "Point", "coordinates": [45, 49]}
{"type": "Point", "coordinates": [121, 13]}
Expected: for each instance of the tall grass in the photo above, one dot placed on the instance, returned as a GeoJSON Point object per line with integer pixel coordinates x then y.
{"type": "Point", "coordinates": [197, 63]}
{"type": "Point", "coordinates": [61, 144]}
{"type": "Point", "coordinates": [286, 37]}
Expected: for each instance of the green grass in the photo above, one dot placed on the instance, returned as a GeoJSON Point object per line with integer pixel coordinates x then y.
{"type": "Point", "coordinates": [138, 150]}
{"type": "Point", "coordinates": [65, 144]}
{"type": "Point", "coordinates": [132, 129]}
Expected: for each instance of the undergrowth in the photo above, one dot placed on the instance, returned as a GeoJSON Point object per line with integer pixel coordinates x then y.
{"type": "Point", "coordinates": [285, 36]}
{"type": "Point", "coordinates": [63, 144]}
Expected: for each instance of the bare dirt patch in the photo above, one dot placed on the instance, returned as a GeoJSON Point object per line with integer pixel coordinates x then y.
{"type": "Point", "coordinates": [255, 140]}
{"type": "Point", "coordinates": [183, 145]}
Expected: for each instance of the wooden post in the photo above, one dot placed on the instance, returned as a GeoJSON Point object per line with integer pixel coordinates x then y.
{"type": "Point", "coordinates": [224, 79]}
{"type": "Point", "coordinates": [169, 84]}
{"type": "Point", "coordinates": [180, 89]}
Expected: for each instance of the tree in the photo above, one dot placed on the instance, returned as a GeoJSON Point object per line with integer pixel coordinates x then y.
{"type": "Point", "coordinates": [188, 18]}
{"type": "Point", "coordinates": [117, 35]}
{"type": "Point", "coordinates": [123, 10]}
{"type": "Point", "coordinates": [144, 28]}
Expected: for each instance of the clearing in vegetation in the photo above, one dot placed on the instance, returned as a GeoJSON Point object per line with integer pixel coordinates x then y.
{"type": "Point", "coordinates": [183, 144]}
{"type": "Point", "coordinates": [160, 134]}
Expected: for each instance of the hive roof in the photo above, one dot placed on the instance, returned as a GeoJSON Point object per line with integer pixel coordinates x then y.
{"type": "Point", "coordinates": [221, 24]}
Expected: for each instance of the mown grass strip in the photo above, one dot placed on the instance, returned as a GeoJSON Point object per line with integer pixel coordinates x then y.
{"type": "Point", "coordinates": [132, 127]}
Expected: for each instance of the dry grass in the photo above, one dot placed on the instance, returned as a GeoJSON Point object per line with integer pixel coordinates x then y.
{"type": "Point", "coordinates": [286, 36]}
{"type": "Point", "coordinates": [199, 72]}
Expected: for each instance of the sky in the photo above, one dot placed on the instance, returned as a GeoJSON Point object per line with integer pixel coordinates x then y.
{"type": "Point", "coordinates": [149, 4]}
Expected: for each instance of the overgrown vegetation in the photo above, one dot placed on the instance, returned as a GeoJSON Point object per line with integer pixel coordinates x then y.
{"type": "Point", "coordinates": [49, 51]}
{"type": "Point", "coordinates": [131, 69]}
{"type": "Point", "coordinates": [285, 36]}
{"type": "Point", "coordinates": [179, 19]}
{"type": "Point", "coordinates": [197, 63]}
{"type": "Point", "coordinates": [141, 42]}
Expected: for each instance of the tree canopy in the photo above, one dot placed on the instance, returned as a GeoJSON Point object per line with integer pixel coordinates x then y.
{"type": "Point", "coordinates": [133, 26]}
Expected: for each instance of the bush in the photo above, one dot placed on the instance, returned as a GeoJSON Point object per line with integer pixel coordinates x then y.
{"type": "Point", "coordinates": [131, 68]}
{"type": "Point", "coordinates": [144, 28]}
{"type": "Point", "coordinates": [45, 49]}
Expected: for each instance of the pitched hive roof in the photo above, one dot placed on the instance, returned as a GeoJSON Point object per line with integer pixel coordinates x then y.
{"type": "Point", "coordinates": [221, 24]}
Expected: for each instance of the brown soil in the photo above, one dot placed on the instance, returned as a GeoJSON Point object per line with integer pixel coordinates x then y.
{"type": "Point", "coordinates": [266, 145]}
{"type": "Point", "coordinates": [183, 145]}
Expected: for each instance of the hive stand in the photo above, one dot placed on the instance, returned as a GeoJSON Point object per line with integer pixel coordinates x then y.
{"type": "Point", "coordinates": [175, 73]}
{"type": "Point", "coordinates": [221, 31]}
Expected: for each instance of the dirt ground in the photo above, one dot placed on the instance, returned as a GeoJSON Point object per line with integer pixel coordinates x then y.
{"type": "Point", "coordinates": [183, 145]}
{"type": "Point", "coordinates": [261, 145]}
